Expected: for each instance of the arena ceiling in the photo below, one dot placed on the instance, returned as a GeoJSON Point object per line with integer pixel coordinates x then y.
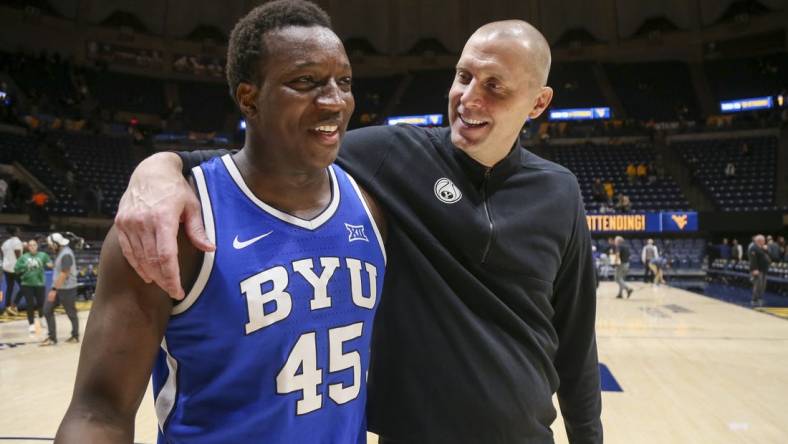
{"type": "Point", "coordinates": [395, 26]}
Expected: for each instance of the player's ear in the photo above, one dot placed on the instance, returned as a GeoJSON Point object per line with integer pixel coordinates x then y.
{"type": "Point", "coordinates": [246, 96]}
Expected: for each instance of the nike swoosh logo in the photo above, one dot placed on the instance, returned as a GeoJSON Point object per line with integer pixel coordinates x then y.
{"type": "Point", "coordinates": [239, 245]}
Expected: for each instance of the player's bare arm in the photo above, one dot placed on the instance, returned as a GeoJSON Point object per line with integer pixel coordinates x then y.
{"type": "Point", "coordinates": [157, 199]}
{"type": "Point", "coordinates": [126, 326]}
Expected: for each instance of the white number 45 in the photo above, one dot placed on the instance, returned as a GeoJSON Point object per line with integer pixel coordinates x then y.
{"type": "Point", "coordinates": [304, 357]}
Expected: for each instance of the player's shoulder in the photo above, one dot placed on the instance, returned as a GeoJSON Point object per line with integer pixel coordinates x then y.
{"type": "Point", "coordinates": [398, 136]}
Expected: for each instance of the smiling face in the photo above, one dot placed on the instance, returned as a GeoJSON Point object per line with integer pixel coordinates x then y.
{"type": "Point", "coordinates": [497, 86]}
{"type": "Point", "coordinates": [300, 111]}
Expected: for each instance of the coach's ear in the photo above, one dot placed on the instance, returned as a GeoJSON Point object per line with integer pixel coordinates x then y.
{"type": "Point", "coordinates": [541, 102]}
{"type": "Point", "coordinates": [246, 96]}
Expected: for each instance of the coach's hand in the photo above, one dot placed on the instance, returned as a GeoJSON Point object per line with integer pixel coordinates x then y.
{"type": "Point", "coordinates": [156, 201]}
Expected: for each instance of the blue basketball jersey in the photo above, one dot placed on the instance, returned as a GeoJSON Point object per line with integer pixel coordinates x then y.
{"type": "Point", "coordinates": [271, 345]}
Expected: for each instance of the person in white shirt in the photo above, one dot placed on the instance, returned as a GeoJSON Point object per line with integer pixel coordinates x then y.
{"type": "Point", "coordinates": [12, 250]}
{"type": "Point", "coordinates": [648, 254]}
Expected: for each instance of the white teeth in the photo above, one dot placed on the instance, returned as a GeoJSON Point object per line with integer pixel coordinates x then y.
{"type": "Point", "coordinates": [327, 128]}
{"type": "Point", "coordinates": [473, 122]}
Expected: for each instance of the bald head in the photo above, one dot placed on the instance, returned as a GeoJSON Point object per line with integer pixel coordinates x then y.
{"type": "Point", "coordinates": [759, 239]}
{"type": "Point", "coordinates": [499, 85]}
{"type": "Point", "coordinates": [536, 50]}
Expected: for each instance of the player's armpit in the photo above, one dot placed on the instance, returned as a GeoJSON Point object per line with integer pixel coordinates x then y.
{"type": "Point", "coordinates": [126, 325]}
{"type": "Point", "coordinates": [378, 214]}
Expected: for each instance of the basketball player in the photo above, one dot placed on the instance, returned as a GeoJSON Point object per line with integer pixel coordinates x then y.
{"type": "Point", "coordinates": [272, 342]}
{"type": "Point", "coordinates": [489, 302]}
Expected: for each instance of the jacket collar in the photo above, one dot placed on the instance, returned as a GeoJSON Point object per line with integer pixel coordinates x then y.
{"type": "Point", "coordinates": [495, 175]}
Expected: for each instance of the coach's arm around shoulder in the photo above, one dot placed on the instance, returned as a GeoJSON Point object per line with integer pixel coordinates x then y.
{"type": "Point", "coordinates": [157, 200]}
{"type": "Point", "coordinates": [126, 325]}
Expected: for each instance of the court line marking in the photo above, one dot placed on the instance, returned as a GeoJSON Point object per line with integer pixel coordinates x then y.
{"type": "Point", "coordinates": [714, 338]}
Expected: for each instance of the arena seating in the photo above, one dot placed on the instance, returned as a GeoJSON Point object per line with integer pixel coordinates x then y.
{"type": "Point", "coordinates": [125, 92]}
{"type": "Point", "coordinates": [608, 163]}
{"type": "Point", "coordinates": [575, 86]}
{"type": "Point", "coordinates": [660, 91]}
{"type": "Point", "coordinates": [102, 161]}
{"type": "Point", "coordinates": [426, 94]}
{"type": "Point", "coordinates": [25, 150]}
{"type": "Point", "coordinates": [45, 79]}
{"type": "Point", "coordinates": [206, 106]}
{"type": "Point", "coordinates": [752, 188]}
{"type": "Point", "coordinates": [747, 77]}
{"type": "Point", "coordinates": [372, 94]}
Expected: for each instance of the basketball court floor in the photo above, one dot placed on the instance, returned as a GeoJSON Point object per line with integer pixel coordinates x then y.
{"type": "Point", "coordinates": [676, 368]}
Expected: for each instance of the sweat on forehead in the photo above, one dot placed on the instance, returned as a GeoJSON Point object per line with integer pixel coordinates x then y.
{"type": "Point", "coordinates": [531, 40]}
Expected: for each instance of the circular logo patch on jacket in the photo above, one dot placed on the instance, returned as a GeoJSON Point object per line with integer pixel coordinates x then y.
{"type": "Point", "coordinates": [446, 191]}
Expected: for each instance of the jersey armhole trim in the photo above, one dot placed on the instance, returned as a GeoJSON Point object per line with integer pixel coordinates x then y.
{"type": "Point", "coordinates": [168, 394]}
{"type": "Point", "coordinates": [369, 215]}
{"type": "Point", "coordinates": [208, 257]}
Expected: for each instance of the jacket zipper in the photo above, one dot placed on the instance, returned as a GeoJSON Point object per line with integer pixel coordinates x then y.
{"type": "Point", "coordinates": [489, 217]}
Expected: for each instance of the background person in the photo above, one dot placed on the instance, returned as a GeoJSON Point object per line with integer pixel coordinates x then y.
{"type": "Point", "coordinates": [64, 289]}
{"type": "Point", "coordinates": [759, 267]}
{"type": "Point", "coordinates": [623, 253]}
{"type": "Point", "coordinates": [648, 254]}
{"type": "Point", "coordinates": [30, 269]}
{"type": "Point", "coordinates": [12, 250]}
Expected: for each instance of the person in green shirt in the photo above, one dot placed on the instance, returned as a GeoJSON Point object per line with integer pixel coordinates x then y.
{"type": "Point", "coordinates": [30, 270]}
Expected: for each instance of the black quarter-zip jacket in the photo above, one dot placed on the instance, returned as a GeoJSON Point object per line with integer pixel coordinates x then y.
{"type": "Point", "coordinates": [489, 302]}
